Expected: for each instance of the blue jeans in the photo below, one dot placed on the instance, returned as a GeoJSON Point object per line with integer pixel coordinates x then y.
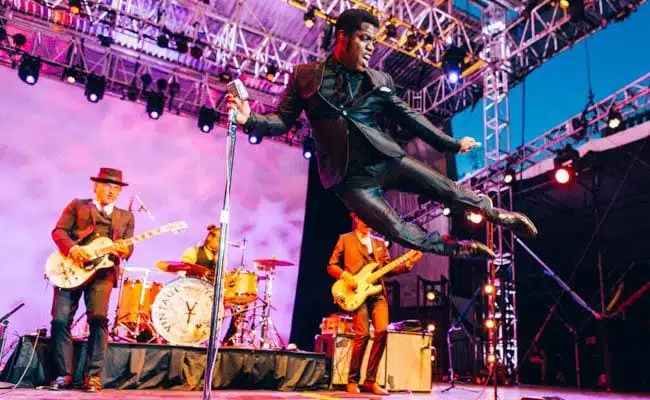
{"type": "Point", "coordinates": [362, 191]}
{"type": "Point", "coordinates": [64, 307]}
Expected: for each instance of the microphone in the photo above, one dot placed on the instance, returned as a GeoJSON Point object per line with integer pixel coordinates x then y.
{"type": "Point", "coordinates": [237, 89]}
{"type": "Point", "coordinates": [144, 208]}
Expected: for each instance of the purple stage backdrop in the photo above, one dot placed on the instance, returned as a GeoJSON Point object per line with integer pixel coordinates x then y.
{"type": "Point", "coordinates": [53, 140]}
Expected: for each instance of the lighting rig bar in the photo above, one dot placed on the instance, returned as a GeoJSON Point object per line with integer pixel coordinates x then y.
{"type": "Point", "coordinates": [181, 25]}
{"type": "Point", "coordinates": [433, 29]}
{"type": "Point", "coordinates": [536, 36]}
{"type": "Point", "coordinates": [60, 47]}
{"type": "Point", "coordinates": [628, 101]}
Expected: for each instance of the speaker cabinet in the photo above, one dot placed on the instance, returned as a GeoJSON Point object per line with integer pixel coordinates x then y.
{"type": "Point", "coordinates": [404, 366]}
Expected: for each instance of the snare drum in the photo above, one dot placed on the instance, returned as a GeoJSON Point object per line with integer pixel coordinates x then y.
{"type": "Point", "coordinates": [240, 287]}
{"type": "Point", "coordinates": [129, 303]}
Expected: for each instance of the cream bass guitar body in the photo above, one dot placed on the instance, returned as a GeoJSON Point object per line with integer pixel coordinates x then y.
{"type": "Point", "coordinates": [366, 279]}
{"type": "Point", "coordinates": [66, 273]}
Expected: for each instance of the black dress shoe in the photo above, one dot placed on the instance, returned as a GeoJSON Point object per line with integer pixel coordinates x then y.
{"type": "Point", "coordinates": [517, 222]}
{"type": "Point", "coordinates": [472, 249]}
{"type": "Point", "coordinates": [61, 383]}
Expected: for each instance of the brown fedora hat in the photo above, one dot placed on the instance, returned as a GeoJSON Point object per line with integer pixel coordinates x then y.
{"type": "Point", "coordinates": [109, 175]}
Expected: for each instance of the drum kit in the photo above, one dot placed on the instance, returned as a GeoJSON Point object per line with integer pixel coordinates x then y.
{"type": "Point", "coordinates": [178, 312]}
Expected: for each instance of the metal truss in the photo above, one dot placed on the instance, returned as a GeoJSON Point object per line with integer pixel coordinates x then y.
{"type": "Point", "coordinates": [61, 41]}
{"type": "Point", "coordinates": [540, 33]}
{"type": "Point", "coordinates": [419, 17]}
{"type": "Point", "coordinates": [628, 101]}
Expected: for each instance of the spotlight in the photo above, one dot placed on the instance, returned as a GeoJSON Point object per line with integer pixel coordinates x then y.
{"type": "Point", "coordinates": [489, 323]}
{"type": "Point", "coordinates": [310, 18]}
{"type": "Point", "coordinates": [207, 117]}
{"type": "Point", "coordinates": [225, 77]}
{"type": "Point", "coordinates": [488, 288]}
{"type": "Point", "coordinates": [509, 176]}
{"type": "Point", "coordinates": [431, 296]}
{"type": "Point", "coordinates": [75, 6]}
{"type": "Point", "coordinates": [564, 4]}
{"type": "Point", "coordinates": [412, 40]}
{"type": "Point", "coordinates": [70, 75]}
{"type": "Point", "coordinates": [181, 43]}
{"type": "Point", "coordinates": [565, 162]}
{"type": "Point", "coordinates": [308, 148]}
{"type": "Point", "coordinates": [475, 218]}
{"type": "Point", "coordinates": [446, 211]}
{"type": "Point", "coordinates": [453, 63]}
{"type": "Point", "coordinates": [155, 105]}
{"type": "Point", "coordinates": [19, 39]}
{"type": "Point", "coordinates": [197, 50]}
{"type": "Point", "coordinates": [254, 138]}
{"type": "Point", "coordinates": [29, 69]}
{"type": "Point", "coordinates": [614, 119]}
{"type": "Point", "coordinates": [95, 87]}
{"type": "Point", "coordinates": [163, 40]}
{"type": "Point", "coordinates": [431, 327]}
{"type": "Point", "coordinates": [271, 71]}
{"type": "Point", "coordinates": [428, 42]}
{"type": "Point", "coordinates": [146, 81]}
{"type": "Point", "coordinates": [491, 359]}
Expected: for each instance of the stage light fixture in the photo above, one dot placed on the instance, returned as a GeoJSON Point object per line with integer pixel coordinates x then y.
{"type": "Point", "coordinates": [490, 323]}
{"type": "Point", "coordinates": [75, 6]}
{"type": "Point", "coordinates": [29, 69]}
{"type": "Point", "coordinates": [197, 50]}
{"type": "Point", "coordinates": [207, 117]}
{"type": "Point", "coordinates": [310, 18]}
{"type": "Point", "coordinates": [132, 91]}
{"type": "Point", "coordinates": [163, 40]}
{"type": "Point", "coordinates": [271, 71]}
{"type": "Point", "coordinates": [564, 4]}
{"type": "Point", "coordinates": [509, 176]}
{"type": "Point", "coordinates": [614, 119]}
{"type": "Point", "coordinates": [155, 105]}
{"type": "Point", "coordinates": [181, 43]}
{"type": "Point", "coordinates": [446, 211]}
{"type": "Point", "coordinates": [491, 359]}
{"type": "Point", "coordinates": [254, 138]}
{"type": "Point", "coordinates": [475, 218]}
{"type": "Point", "coordinates": [308, 148]}
{"type": "Point", "coordinates": [428, 42]}
{"type": "Point", "coordinates": [565, 165]}
{"type": "Point", "coordinates": [95, 87]}
{"type": "Point", "coordinates": [488, 288]}
{"type": "Point", "coordinates": [391, 31]}
{"type": "Point", "coordinates": [431, 296]}
{"type": "Point", "coordinates": [19, 39]}
{"type": "Point", "coordinates": [70, 75]}
{"type": "Point", "coordinates": [225, 77]}
{"type": "Point", "coordinates": [453, 63]}
{"type": "Point", "coordinates": [431, 327]}
{"type": "Point", "coordinates": [412, 40]}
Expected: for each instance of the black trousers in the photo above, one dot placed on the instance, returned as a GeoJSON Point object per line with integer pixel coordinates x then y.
{"type": "Point", "coordinates": [64, 307]}
{"type": "Point", "coordinates": [375, 308]}
{"type": "Point", "coordinates": [363, 189]}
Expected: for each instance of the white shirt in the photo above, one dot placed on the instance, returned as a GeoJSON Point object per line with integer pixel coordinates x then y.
{"type": "Point", "coordinates": [365, 240]}
{"type": "Point", "coordinates": [108, 208]}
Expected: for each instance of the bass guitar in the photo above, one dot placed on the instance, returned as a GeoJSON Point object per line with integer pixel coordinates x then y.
{"type": "Point", "coordinates": [350, 299]}
{"type": "Point", "coordinates": [66, 273]}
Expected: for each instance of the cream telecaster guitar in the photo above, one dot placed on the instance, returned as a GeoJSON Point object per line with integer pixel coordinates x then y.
{"type": "Point", "coordinates": [351, 299]}
{"type": "Point", "coordinates": [66, 273]}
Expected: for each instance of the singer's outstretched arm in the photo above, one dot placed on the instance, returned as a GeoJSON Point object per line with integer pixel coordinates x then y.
{"type": "Point", "coordinates": [279, 122]}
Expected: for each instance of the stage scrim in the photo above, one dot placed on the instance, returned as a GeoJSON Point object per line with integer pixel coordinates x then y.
{"type": "Point", "coordinates": [53, 140]}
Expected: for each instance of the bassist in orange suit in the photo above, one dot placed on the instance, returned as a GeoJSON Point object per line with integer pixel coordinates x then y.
{"type": "Point", "coordinates": [81, 222]}
{"type": "Point", "coordinates": [353, 251]}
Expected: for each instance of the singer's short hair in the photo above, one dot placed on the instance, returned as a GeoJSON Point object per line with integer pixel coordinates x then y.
{"type": "Point", "coordinates": [351, 19]}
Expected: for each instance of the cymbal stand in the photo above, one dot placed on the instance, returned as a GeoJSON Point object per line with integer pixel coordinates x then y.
{"type": "Point", "coordinates": [115, 330]}
{"type": "Point", "coordinates": [270, 338]}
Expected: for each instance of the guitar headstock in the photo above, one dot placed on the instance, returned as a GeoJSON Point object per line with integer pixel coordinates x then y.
{"type": "Point", "coordinates": [175, 227]}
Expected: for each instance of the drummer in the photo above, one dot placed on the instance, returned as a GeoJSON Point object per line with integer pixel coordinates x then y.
{"type": "Point", "coordinates": [206, 255]}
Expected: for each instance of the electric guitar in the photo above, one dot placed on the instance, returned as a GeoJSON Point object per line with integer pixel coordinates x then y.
{"type": "Point", "coordinates": [66, 273]}
{"type": "Point", "coordinates": [351, 299]}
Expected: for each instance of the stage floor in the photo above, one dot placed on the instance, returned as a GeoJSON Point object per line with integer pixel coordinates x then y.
{"type": "Point", "coordinates": [458, 393]}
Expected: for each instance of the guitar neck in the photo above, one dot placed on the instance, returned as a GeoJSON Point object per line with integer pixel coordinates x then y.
{"type": "Point", "coordinates": [390, 266]}
{"type": "Point", "coordinates": [143, 236]}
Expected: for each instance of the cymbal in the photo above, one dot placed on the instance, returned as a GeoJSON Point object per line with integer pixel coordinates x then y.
{"type": "Point", "coordinates": [272, 262]}
{"type": "Point", "coordinates": [176, 266]}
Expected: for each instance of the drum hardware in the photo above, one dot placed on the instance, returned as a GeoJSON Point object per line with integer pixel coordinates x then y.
{"type": "Point", "coordinates": [134, 316]}
{"type": "Point", "coordinates": [269, 336]}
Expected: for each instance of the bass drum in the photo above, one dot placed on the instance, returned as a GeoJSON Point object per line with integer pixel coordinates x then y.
{"type": "Point", "coordinates": [182, 310]}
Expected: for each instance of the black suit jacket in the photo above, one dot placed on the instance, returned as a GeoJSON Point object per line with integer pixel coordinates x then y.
{"type": "Point", "coordinates": [77, 222]}
{"type": "Point", "coordinates": [329, 122]}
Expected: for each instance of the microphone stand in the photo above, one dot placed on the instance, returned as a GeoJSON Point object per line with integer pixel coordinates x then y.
{"type": "Point", "coordinates": [213, 345]}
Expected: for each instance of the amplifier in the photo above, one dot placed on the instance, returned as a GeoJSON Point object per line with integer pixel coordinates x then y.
{"type": "Point", "coordinates": [404, 366]}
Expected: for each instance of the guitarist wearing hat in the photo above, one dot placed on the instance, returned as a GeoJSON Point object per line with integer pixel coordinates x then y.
{"type": "Point", "coordinates": [81, 222]}
{"type": "Point", "coordinates": [352, 252]}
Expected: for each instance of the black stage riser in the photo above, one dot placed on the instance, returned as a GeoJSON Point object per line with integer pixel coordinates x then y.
{"type": "Point", "coordinates": [141, 366]}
